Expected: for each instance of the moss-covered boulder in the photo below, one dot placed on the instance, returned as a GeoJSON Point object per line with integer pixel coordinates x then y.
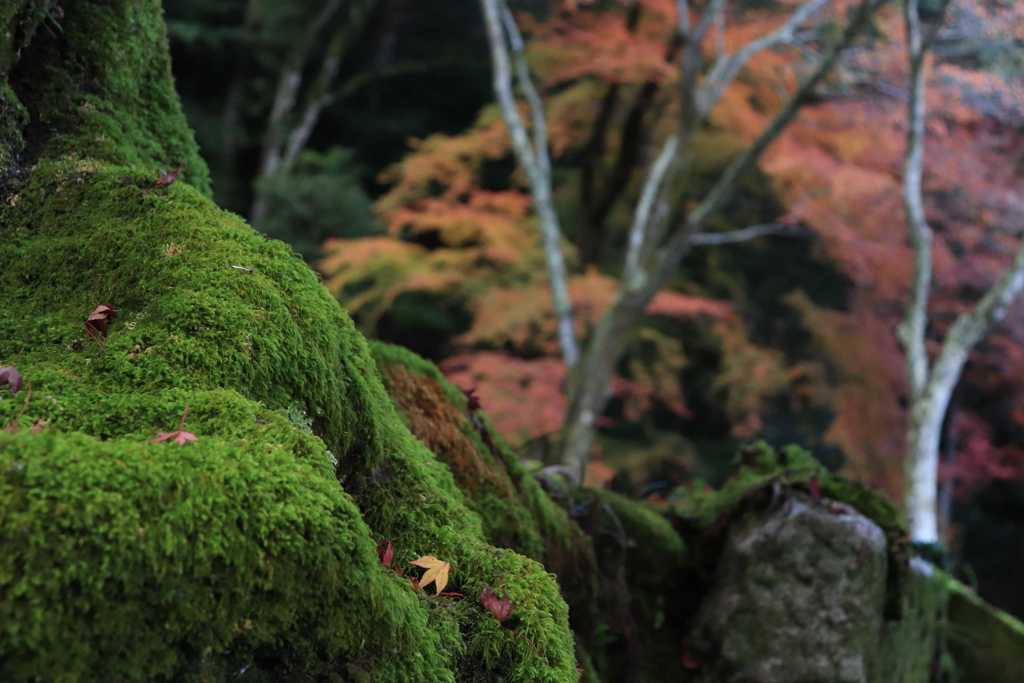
{"type": "Point", "coordinates": [253, 548]}
{"type": "Point", "coordinates": [797, 596]}
{"type": "Point", "coordinates": [619, 563]}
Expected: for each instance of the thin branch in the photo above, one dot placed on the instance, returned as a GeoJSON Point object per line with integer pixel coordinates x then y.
{"type": "Point", "coordinates": [642, 218]}
{"type": "Point", "coordinates": [502, 34]}
{"type": "Point", "coordinates": [632, 142]}
{"type": "Point", "coordinates": [682, 17]}
{"type": "Point", "coordinates": [288, 85]}
{"type": "Point", "coordinates": [720, 31]}
{"type": "Point", "coordinates": [714, 239]}
{"type": "Point", "coordinates": [728, 67]}
{"type": "Point", "coordinates": [722, 191]}
{"type": "Point", "coordinates": [652, 218]}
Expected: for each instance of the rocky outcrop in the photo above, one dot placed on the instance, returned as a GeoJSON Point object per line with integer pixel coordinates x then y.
{"type": "Point", "coordinates": [798, 596]}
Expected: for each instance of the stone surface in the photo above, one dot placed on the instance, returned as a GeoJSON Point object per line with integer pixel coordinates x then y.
{"type": "Point", "coordinates": [798, 597]}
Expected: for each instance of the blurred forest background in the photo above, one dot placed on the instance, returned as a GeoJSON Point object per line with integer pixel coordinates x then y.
{"type": "Point", "coordinates": [364, 132]}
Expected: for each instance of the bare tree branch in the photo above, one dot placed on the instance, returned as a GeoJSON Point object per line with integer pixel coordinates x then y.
{"type": "Point", "coordinates": [651, 219]}
{"type": "Point", "coordinates": [533, 157]}
{"type": "Point", "coordinates": [289, 84]}
{"type": "Point", "coordinates": [720, 31]}
{"type": "Point", "coordinates": [678, 244]}
{"type": "Point", "coordinates": [728, 67]}
{"type": "Point", "coordinates": [713, 239]}
{"type": "Point", "coordinates": [642, 218]}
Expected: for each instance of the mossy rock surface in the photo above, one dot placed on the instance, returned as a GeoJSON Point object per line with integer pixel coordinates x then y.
{"type": "Point", "coordinates": [618, 561]}
{"type": "Point", "coordinates": [253, 547]}
{"type": "Point", "coordinates": [985, 643]}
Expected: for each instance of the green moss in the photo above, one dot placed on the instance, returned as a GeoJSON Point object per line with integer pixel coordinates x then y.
{"type": "Point", "coordinates": [283, 395]}
{"type": "Point", "coordinates": [761, 470]}
{"type": "Point", "coordinates": [13, 118]}
{"type": "Point", "coordinates": [511, 509]}
{"type": "Point", "coordinates": [18, 22]}
{"type": "Point", "coordinates": [760, 466]}
{"type": "Point", "coordinates": [113, 101]}
{"type": "Point", "coordinates": [656, 549]}
{"type": "Point", "coordinates": [245, 347]}
{"type": "Point", "coordinates": [514, 509]}
{"type": "Point", "coordinates": [389, 355]}
{"type": "Point", "coordinates": [197, 558]}
{"type": "Point", "coordinates": [986, 644]}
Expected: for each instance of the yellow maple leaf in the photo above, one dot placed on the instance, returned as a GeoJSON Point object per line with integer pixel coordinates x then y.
{"type": "Point", "coordinates": [437, 572]}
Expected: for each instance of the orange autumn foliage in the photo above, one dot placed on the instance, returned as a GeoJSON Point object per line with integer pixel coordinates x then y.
{"type": "Point", "coordinates": [835, 171]}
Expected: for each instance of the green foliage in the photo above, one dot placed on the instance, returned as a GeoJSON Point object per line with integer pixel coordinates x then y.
{"type": "Point", "coordinates": [319, 198]}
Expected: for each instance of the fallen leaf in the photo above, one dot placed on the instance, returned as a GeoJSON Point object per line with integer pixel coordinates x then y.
{"type": "Point", "coordinates": [501, 608]}
{"type": "Point", "coordinates": [437, 572]}
{"type": "Point", "coordinates": [99, 318]}
{"type": "Point", "coordinates": [165, 179]}
{"type": "Point", "coordinates": [472, 399]}
{"type": "Point", "coordinates": [10, 376]}
{"type": "Point", "coordinates": [386, 552]}
{"type": "Point", "coordinates": [179, 437]}
{"type": "Point", "coordinates": [815, 488]}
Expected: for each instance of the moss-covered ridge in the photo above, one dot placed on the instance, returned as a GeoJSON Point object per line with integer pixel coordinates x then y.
{"type": "Point", "coordinates": [618, 561]}
{"type": "Point", "coordinates": [254, 547]}
{"type": "Point", "coordinates": [273, 372]}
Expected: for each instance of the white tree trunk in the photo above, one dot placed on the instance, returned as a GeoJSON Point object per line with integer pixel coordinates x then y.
{"type": "Point", "coordinates": [532, 157]}
{"type": "Point", "coordinates": [932, 387]}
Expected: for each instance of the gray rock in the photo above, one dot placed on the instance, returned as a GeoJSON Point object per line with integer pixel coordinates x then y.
{"type": "Point", "coordinates": [798, 597]}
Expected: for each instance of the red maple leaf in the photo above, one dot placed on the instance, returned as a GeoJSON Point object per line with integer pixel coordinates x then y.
{"type": "Point", "coordinates": [472, 399]}
{"type": "Point", "coordinates": [179, 436]}
{"type": "Point", "coordinates": [815, 488]}
{"type": "Point", "coordinates": [10, 376]}
{"type": "Point", "coordinates": [165, 179]}
{"type": "Point", "coordinates": [386, 552]}
{"type": "Point", "coordinates": [501, 608]}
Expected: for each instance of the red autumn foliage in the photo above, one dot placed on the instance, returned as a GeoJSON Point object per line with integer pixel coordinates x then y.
{"type": "Point", "coordinates": [500, 608]}
{"type": "Point", "coordinates": [179, 436]}
{"type": "Point", "coordinates": [10, 376]}
{"type": "Point", "coordinates": [386, 552]}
